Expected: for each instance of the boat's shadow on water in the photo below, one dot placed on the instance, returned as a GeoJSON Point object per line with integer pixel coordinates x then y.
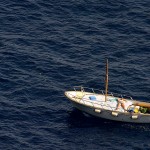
{"type": "Point", "coordinates": [78, 119]}
{"type": "Point", "coordinates": [82, 120]}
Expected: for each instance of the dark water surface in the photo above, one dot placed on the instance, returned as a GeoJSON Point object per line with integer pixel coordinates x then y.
{"type": "Point", "coordinates": [47, 46]}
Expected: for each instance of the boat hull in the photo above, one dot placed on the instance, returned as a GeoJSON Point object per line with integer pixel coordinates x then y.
{"type": "Point", "coordinates": [112, 115]}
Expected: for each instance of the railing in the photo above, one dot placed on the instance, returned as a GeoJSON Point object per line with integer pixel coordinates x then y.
{"type": "Point", "coordinates": [95, 104]}
{"type": "Point", "coordinates": [97, 91]}
{"type": "Point", "coordinates": [100, 104]}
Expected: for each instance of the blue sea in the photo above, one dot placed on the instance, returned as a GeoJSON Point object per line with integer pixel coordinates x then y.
{"type": "Point", "coordinates": [49, 46]}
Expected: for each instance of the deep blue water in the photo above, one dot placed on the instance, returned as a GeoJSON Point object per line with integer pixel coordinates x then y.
{"type": "Point", "coordinates": [48, 46]}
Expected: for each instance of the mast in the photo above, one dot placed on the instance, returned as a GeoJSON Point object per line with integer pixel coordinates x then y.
{"type": "Point", "coordinates": [106, 80]}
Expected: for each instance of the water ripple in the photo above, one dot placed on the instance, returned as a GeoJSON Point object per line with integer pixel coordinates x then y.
{"type": "Point", "coordinates": [49, 46]}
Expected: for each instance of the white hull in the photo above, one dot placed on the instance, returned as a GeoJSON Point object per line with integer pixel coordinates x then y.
{"type": "Point", "coordinates": [107, 114]}
{"type": "Point", "coordinates": [105, 111]}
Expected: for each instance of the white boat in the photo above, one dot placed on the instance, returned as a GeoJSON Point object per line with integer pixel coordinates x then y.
{"type": "Point", "coordinates": [105, 105]}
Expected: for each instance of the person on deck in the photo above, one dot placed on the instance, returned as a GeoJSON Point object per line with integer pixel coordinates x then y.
{"type": "Point", "coordinates": [121, 103]}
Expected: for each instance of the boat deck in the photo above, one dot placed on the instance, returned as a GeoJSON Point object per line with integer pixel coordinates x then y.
{"type": "Point", "coordinates": [96, 100]}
